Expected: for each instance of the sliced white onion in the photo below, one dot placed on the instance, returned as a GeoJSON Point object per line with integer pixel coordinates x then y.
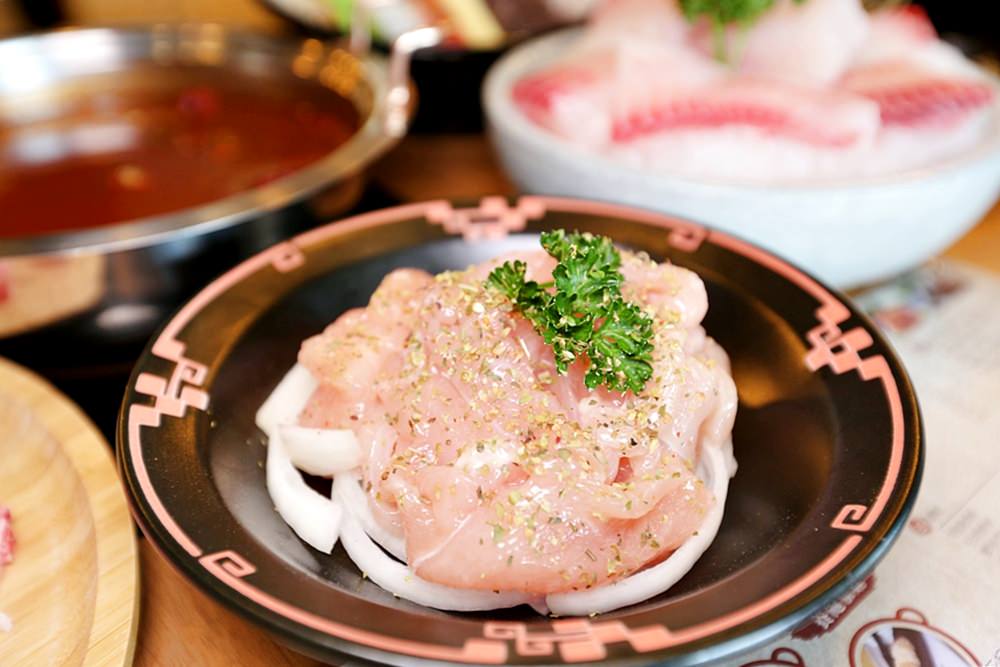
{"type": "Point", "coordinates": [320, 451]}
{"type": "Point", "coordinates": [287, 400]}
{"type": "Point", "coordinates": [355, 502]}
{"type": "Point", "coordinates": [397, 578]}
{"type": "Point", "coordinates": [314, 517]}
{"type": "Point", "coordinates": [539, 605]}
{"type": "Point", "coordinates": [648, 583]}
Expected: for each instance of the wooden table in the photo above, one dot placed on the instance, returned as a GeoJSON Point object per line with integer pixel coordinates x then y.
{"type": "Point", "coordinates": [179, 626]}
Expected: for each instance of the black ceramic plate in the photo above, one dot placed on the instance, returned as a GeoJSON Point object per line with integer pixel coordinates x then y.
{"type": "Point", "coordinates": [828, 440]}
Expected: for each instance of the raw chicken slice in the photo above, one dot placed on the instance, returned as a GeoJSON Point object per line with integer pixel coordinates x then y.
{"type": "Point", "coordinates": [501, 474]}
{"type": "Point", "coordinates": [360, 343]}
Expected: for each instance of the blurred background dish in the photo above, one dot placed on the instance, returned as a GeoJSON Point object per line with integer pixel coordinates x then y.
{"type": "Point", "coordinates": [473, 25]}
{"type": "Point", "coordinates": [849, 229]}
{"type": "Point", "coordinates": [447, 76]}
{"type": "Point", "coordinates": [136, 164]}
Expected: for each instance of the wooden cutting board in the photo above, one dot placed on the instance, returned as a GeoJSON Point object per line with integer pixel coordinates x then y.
{"type": "Point", "coordinates": [72, 591]}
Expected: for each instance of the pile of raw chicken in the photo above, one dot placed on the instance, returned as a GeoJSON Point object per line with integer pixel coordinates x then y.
{"type": "Point", "coordinates": [486, 470]}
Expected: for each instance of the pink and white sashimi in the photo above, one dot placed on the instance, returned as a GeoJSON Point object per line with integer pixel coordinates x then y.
{"type": "Point", "coordinates": [457, 446]}
{"type": "Point", "coordinates": [6, 538]}
{"type": "Point", "coordinates": [7, 544]}
{"type": "Point", "coordinates": [817, 90]}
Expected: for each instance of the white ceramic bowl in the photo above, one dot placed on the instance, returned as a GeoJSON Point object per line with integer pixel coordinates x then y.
{"type": "Point", "coordinates": [849, 233]}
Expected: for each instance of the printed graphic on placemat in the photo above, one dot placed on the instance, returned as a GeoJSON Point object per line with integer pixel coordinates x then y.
{"type": "Point", "coordinates": [830, 618]}
{"type": "Point", "coordinates": [905, 302]}
{"type": "Point", "coordinates": [937, 593]}
{"type": "Point", "coordinates": [907, 640]}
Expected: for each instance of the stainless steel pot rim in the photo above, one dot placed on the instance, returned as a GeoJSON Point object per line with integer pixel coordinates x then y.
{"type": "Point", "coordinates": [373, 137]}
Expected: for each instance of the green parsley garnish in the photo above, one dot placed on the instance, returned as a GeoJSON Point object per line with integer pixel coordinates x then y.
{"type": "Point", "coordinates": [586, 313]}
{"type": "Point", "coordinates": [723, 13]}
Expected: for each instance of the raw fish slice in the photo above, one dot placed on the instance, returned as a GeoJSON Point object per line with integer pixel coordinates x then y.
{"type": "Point", "coordinates": [616, 96]}
{"type": "Point", "coordinates": [908, 21]}
{"type": "Point", "coordinates": [911, 96]}
{"type": "Point", "coordinates": [824, 119]}
{"type": "Point", "coordinates": [6, 538]}
{"type": "Point", "coordinates": [896, 34]}
{"type": "Point", "coordinates": [916, 79]}
{"type": "Point", "coordinates": [603, 73]}
{"type": "Point", "coordinates": [642, 20]}
{"type": "Point", "coordinates": [799, 43]}
{"type": "Point", "coordinates": [7, 544]}
{"type": "Point", "coordinates": [819, 90]}
{"type": "Point", "coordinates": [583, 97]}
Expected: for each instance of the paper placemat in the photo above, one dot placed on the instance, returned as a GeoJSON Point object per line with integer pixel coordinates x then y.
{"type": "Point", "coordinates": [935, 599]}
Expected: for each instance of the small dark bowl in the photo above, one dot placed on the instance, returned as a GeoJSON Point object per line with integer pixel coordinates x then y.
{"type": "Point", "coordinates": [448, 76]}
{"type": "Point", "coordinates": [828, 439]}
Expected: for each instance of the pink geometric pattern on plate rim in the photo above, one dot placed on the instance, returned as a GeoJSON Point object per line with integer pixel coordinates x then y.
{"type": "Point", "coordinates": [493, 218]}
{"type": "Point", "coordinates": [579, 639]}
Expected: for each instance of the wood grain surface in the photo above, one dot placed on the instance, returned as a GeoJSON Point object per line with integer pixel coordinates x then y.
{"type": "Point", "coordinates": [180, 626]}
{"type": "Point", "coordinates": [72, 591]}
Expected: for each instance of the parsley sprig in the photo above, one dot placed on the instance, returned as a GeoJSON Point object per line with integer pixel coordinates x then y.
{"type": "Point", "coordinates": [723, 13]}
{"type": "Point", "coordinates": [582, 311]}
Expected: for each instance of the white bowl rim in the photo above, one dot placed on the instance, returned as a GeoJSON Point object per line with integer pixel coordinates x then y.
{"type": "Point", "coordinates": [501, 111]}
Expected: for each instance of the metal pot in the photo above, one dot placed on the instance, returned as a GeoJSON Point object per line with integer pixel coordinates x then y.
{"type": "Point", "coordinates": [90, 298]}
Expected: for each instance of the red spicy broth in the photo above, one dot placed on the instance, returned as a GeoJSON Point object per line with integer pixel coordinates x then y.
{"type": "Point", "coordinates": [159, 143]}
